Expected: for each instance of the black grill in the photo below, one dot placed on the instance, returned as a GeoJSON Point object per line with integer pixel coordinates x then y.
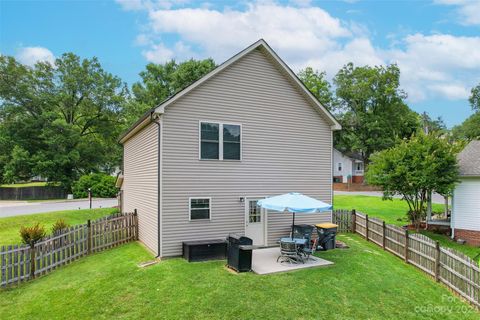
{"type": "Point", "coordinates": [239, 257]}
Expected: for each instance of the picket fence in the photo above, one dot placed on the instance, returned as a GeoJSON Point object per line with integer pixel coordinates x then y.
{"type": "Point", "coordinates": [20, 263]}
{"type": "Point", "coordinates": [450, 267]}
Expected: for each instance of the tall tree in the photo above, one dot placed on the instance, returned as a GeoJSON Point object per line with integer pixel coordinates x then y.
{"type": "Point", "coordinates": [159, 81]}
{"type": "Point", "coordinates": [319, 86]}
{"type": "Point", "coordinates": [431, 125]}
{"type": "Point", "coordinates": [470, 128]}
{"type": "Point", "coordinates": [376, 116]}
{"type": "Point", "coordinates": [65, 115]}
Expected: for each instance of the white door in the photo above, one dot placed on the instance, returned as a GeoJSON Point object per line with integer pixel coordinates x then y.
{"type": "Point", "coordinates": [254, 222]}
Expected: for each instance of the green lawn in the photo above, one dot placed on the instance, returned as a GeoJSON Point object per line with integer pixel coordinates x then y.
{"type": "Point", "coordinates": [365, 282]}
{"type": "Point", "coordinates": [394, 212]}
{"type": "Point", "coordinates": [22, 185]}
{"type": "Point", "coordinates": [9, 227]}
{"type": "Point", "coordinates": [391, 211]}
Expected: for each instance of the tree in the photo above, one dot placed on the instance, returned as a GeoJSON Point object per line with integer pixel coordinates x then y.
{"type": "Point", "coordinates": [19, 168]}
{"type": "Point", "coordinates": [160, 81]}
{"type": "Point", "coordinates": [430, 125]}
{"type": "Point", "coordinates": [319, 86]}
{"type": "Point", "coordinates": [475, 98]}
{"type": "Point", "coordinates": [469, 129]}
{"type": "Point", "coordinates": [376, 116]}
{"type": "Point", "coordinates": [414, 169]}
{"type": "Point", "coordinates": [66, 115]}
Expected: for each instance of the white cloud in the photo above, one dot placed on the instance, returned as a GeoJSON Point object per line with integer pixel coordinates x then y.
{"type": "Point", "coordinates": [435, 65]}
{"type": "Point", "coordinates": [31, 55]}
{"type": "Point", "coordinates": [468, 10]}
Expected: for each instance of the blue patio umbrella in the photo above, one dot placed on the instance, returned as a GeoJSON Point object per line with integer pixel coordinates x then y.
{"type": "Point", "coordinates": [294, 202]}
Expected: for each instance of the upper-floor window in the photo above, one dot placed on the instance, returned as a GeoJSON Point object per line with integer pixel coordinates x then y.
{"type": "Point", "coordinates": [339, 166]}
{"type": "Point", "coordinates": [220, 141]}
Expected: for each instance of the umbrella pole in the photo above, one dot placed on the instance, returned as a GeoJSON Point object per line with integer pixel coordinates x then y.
{"type": "Point", "coordinates": [293, 224]}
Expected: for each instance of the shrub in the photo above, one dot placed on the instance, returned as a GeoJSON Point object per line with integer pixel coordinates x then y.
{"type": "Point", "coordinates": [33, 234]}
{"type": "Point", "coordinates": [59, 225]}
{"type": "Point", "coordinates": [102, 186]}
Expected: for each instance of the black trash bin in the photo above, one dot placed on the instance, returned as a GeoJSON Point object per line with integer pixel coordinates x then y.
{"type": "Point", "coordinates": [326, 236]}
{"type": "Point", "coordinates": [239, 253]}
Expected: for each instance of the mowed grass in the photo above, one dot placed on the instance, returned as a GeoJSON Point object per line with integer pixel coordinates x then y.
{"type": "Point", "coordinates": [394, 212]}
{"type": "Point", "coordinates": [364, 283]}
{"type": "Point", "coordinates": [23, 185]}
{"type": "Point", "coordinates": [10, 226]}
{"type": "Point", "coordinates": [391, 211]}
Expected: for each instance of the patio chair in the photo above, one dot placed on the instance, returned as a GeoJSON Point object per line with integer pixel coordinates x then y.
{"type": "Point", "coordinates": [310, 250]}
{"type": "Point", "coordinates": [289, 252]}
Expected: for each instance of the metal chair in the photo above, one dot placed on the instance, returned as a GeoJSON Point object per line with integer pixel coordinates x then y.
{"type": "Point", "coordinates": [289, 252]}
{"type": "Point", "coordinates": [309, 250]}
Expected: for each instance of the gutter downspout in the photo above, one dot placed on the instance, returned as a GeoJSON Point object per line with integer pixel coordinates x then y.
{"type": "Point", "coordinates": [153, 118]}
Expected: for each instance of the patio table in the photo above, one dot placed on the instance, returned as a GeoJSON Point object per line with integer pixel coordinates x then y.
{"type": "Point", "coordinates": [298, 241]}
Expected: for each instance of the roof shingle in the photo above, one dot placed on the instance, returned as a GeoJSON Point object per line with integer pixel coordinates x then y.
{"type": "Point", "coordinates": [469, 159]}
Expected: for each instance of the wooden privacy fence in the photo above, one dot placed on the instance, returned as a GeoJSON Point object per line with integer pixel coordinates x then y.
{"type": "Point", "coordinates": [21, 262]}
{"type": "Point", "coordinates": [450, 267]}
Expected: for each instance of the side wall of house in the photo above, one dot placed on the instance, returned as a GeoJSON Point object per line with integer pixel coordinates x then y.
{"type": "Point", "coordinates": [286, 146]}
{"type": "Point", "coordinates": [466, 210]}
{"type": "Point", "coordinates": [139, 189]}
{"type": "Point", "coordinates": [346, 162]}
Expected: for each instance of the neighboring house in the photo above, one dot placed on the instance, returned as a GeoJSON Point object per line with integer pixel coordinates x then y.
{"type": "Point", "coordinates": [347, 167]}
{"type": "Point", "coordinates": [195, 165]}
{"type": "Point", "coordinates": [465, 220]}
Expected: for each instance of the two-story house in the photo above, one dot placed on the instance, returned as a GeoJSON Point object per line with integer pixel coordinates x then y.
{"type": "Point", "coordinates": [195, 166]}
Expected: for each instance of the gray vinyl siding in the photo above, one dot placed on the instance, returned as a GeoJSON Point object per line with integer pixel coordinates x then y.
{"type": "Point", "coordinates": [140, 182]}
{"type": "Point", "coordinates": [286, 146]}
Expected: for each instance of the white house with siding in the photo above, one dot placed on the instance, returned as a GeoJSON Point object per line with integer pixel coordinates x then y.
{"type": "Point", "coordinates": [465, 219]}
{"type": "Point", "coordinates": [195, 165]}
{"type": "Point", "coordinates": [347, 167]}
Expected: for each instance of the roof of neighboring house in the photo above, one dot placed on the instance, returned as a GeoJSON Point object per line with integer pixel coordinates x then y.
{"type": "Point", "coordinates": [352, 155]}
{"type": "Point", "coordinates": [335, 125]}
{"type": "Point", "coordinates": [469, 159]}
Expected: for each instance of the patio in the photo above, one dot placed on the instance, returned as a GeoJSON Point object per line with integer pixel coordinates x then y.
{"type": "Point", "coordinates": [264, 261]}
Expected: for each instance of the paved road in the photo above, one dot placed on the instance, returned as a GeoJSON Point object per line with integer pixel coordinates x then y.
{"type": "Point", "coordinates": [436, 198]}
{"type": "Point", "coordinates": [16, 208]}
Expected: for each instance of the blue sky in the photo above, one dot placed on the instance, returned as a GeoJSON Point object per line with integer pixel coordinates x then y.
{"type": "Point", "coordinates": [436, 43]}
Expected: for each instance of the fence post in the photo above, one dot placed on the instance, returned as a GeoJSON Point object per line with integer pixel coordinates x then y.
{"type": "Point", "coordinates": [437, 261]}
{"type": "Point", "coordinates": [366, 226]}
{"type": "Point", "coordinates": [32, 261]}
{"type": "Point", "coordinates": [383, 235]}
{"type": "Point", "coordinates": [89, 237]}
{"type": "Point", "coordinates": [354, 215]}
{"type": "Point", "coordinates": [406, 246]}
{"type": "Point", "coordinates": [135, 221]}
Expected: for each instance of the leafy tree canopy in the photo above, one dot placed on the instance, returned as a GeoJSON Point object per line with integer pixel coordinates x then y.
{"type": "Point", "coordinates": [160, 81]}
{"type": "Point", "coordinates": [413, 169]}
{"type": "Point", "coordinates": [65, 117]}
{"type": "Point", "coordinates": [475, 98]}
{"type": "Point", "coordinates": [375, 115]}
{"type": "Point", "coordinates": [319, 86]}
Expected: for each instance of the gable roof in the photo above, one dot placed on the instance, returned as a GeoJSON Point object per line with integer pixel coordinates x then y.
{"type": "Point", "coordinates": [352, 155]}
{"type": "Point", "coordinates": [260, 44]}
{"type": "Point", "coordinates": [469, 159]}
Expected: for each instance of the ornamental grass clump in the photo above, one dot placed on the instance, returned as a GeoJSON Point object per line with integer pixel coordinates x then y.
{"type": "Point", "coordinates": [33, 234]}
{"type": "Point", "coordinates": [59, 225]}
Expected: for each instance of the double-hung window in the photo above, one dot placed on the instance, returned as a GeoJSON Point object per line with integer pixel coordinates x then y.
{"type": "Point", "coordinates": [200, 208]}
{"type": "Point", "coordinates": [220, 141]}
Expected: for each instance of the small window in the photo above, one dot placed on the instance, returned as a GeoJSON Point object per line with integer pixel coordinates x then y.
{"type": "Point", "coordinates": [200, 208]}
{"type": "Point", "coordinates": [231, 142]}
{"type": "Point", "coordinates": [339, 166]}
{"type": "Point", "coordinates": [210, 142]}
{"type": "Point", "coordinates": [359, 166]}
{"type": "Point", "coordinates": [254, 212]}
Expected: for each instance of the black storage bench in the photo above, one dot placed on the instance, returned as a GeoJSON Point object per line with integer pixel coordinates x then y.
{"type": "Point", "coordinates": [203, 250]}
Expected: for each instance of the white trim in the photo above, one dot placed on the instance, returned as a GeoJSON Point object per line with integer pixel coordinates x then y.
{"type": "Point", "coordinates": [190, 208]}
{"type": "Point", "coordinates": [161, 185]}
{"type": "Point", "coordinates": [220, 139]}
{"type": "Point", "coordinates": [260, 43]}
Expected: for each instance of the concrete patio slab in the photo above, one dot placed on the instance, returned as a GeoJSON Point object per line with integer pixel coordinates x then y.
{"type": "Point", "coordinates": [264, 261]}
